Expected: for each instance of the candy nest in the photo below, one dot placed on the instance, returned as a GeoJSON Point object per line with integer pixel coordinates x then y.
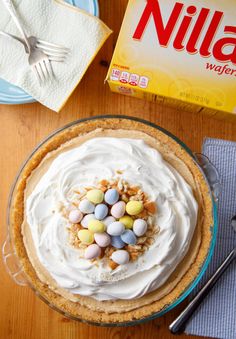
{"type": "Point", "coordinates": [114, 220]}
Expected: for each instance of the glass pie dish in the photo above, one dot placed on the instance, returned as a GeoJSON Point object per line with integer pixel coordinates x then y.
{"type": "Point", "coordinates": [211, 177]}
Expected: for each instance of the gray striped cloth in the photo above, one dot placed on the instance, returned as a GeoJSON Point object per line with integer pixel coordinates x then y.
{"type": "Point", "coordinates": [216, 316]}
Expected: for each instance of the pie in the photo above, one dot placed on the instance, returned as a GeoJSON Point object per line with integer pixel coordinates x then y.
{"type": "Point", "coordinates": [65, 229]}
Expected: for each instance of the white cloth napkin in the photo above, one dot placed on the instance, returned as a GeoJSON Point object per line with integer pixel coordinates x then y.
{"type": "Point", "coordinates": [57, 22]}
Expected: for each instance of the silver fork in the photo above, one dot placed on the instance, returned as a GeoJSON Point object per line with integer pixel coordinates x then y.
{"type": "Point", "coordinates": [38, 61]}
{"type": "Point", "coordinates": [56, 53]}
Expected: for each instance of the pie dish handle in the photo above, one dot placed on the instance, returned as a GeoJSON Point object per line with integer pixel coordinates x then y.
{"type": "Point", "coordinates": [11, 263]}
{"type": "Point", "coordinates": [211, 174]}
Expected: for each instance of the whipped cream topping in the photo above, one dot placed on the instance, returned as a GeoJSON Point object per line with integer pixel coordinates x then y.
{"type": "Point", "coordinates": [86, 165]}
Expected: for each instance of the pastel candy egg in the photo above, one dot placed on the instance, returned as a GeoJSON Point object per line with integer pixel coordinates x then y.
{"type": "Point", "coordinates": [93, 251]}
{"type": "Point", "coordinates": [75, 216]}
{"type": "Point", "coordinates": [140, 227]}
{"type": "Point", "coordinates": [96, 226]}
{"type": "Point", "coordinates": [127, 221]}
{"type": "Point", "coordinates": [120, 257]}
{"type": "Point", "coordinates": [86, 237]}
{"type": "Point", "coordinates": [86, 220]}
{"type": "Point", "coordinates": [95, 196]}
{"type": "Point", "coordinates": [108, 220]}
{"type": "Point", "coordinates": [111, 196]}
{"type": "Point", "coordinates": [117, 242]}
{"type": "Point", "coordinates": [118, 210]}
{"type": "Point", "coordinates": [102, 239]}
{"type": "Point", "coordinates": [129, 237]}
{"type": "Point", "coordinates": [116, 228]}
{"type": "Point", "coordinates": [86, 207]}
{"type": "Point", "coordinates": [134, 207]}
{"type": "Point", "coordinates": [101, 211]}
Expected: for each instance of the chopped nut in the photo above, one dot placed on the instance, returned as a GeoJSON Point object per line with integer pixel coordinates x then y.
{"type": "Point", "coordinates": [89, 188]}
{"type": "Point", "coordinates": [150, 207]}
{"type": "Point", "coordinates": [102, 188]}
{"type": "Point", "coordinates": [120, 185]}
{"type": "Point", "coordinates": [150, 220]}
{"type": "Point", "coordinates": [109, 251]}
{"type": "Point", "coordinates": [149, 233]}
{"type": "Point", "coordinates": [113, 265]}
{"type": "Point", "coordinates": [150, 241]}
{"type": "Point", "coordinates": [125, 198]}
{"type": "Point", "coordinates": [133, 256]}
{"type": "Point", "coordinates": [132, 191]}
{"type": "Point", "coordinates": [104, 183]}
{"type": "Point", "coordinates": [141, 240]}
{"type": "Point", "coordinates": [130, 248]}
{"type": "Point", "coordinates": [82, 246]}
{"type": "Point", "coordinates": [74, 228]}
{"type": "Point", "coordinates": [143, 215]}
{"type": "Point", "coordinates": [137, 247]}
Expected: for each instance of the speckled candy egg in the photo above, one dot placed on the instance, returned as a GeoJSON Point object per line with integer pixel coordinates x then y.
{"type": "Point", "coordinates": [140, 227]}
{"type": "Point", "coordinates": [93, 251]}
{"type": "Point", "coordinates": [86, 207]}
{"type": "Point", "coordinates": [101, 211]}
{"type": "Point", "coordinates": [108, 220]}
{"type": "Point", "coordinates": [118, 210]}
{"type": "Point", "coordinates": [121, 257]}
{"type": "Point", "coordinates": [129, 237]}
{"type": "Point", "coordinates": [96, 226]}
{"type": "Point", "coordinates": [134, 207]}
{"type": "Point", "coordinates": [102, 239]}
{"type": "Point", "coordinates": [117, 242]}
{"type": "Point", "coordinates": [75, 216]}
{"type": "Point", "coordinates": [86, 237]}
{"type": "Point", "coordinates": [116, 228]}
{"type": "Point", "coordinates": [111, 196]}
{"type": "Point", "coordinates": [95, 196]}
{"type": "Point", "coordinates": [127, 221]}
{"type": "Point", "coordinates": [86, 219]}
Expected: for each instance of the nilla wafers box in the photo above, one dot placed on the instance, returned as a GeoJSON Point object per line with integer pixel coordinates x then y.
{"type": "Point", "coordinates": [178, 53]}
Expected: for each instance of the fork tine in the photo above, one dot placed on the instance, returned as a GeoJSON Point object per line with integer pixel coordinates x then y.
{"type": "Point", "coordinates": [56, 59]}
{"type": "Point", "coordinates": [37, 75]}
{"type": "Point", "coordinates": [40, 71]}
{"type": "Point", "coordinates": [55, 46]}
{"type": "Point", "coordinates": [49, 69]}
{"type": "Point", "coordinates": [44, 70]}
{"type": "Point", "coordinates": [50, 51]}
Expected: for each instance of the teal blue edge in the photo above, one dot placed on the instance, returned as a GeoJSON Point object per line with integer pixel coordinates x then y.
{"type": "Point", "coordinates": [214, 227]}
{"type": "Point", "coordinates": [25, 98]}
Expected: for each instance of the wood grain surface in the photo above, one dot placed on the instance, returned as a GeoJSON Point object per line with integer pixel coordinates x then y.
{"type": "Point", "coordinates": [22, 314]}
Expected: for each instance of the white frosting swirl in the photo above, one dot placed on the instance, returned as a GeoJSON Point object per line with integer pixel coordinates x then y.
{"type": "Point", "coordinates": [86, 165]}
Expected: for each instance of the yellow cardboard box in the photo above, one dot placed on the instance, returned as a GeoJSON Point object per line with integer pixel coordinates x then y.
{"type": "Point", "coordinates": [180, 53]}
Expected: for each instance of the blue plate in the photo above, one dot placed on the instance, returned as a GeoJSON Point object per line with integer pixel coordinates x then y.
{"type": "Point", "coordinates": [10, 94]}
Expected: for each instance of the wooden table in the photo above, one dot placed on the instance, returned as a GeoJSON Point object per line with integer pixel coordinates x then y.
{"type": "Point", "coordinates": [22, 314]}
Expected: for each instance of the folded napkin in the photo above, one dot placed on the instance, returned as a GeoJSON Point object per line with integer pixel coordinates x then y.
{"type": "Point", "coordinates": [57, 22]}
{"type": "Point", "coordinates": [216, 317]}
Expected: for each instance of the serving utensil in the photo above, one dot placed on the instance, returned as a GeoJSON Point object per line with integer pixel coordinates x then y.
{"type": "Point", "coordinates": [178, 325]}
{"type": "Point", "coordinates": [38, 60]}
{"type": "Point", "coordinates": [54, 52]}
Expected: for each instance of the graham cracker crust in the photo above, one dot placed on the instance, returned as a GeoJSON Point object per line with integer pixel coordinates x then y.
{"type": "Point", "coordinates": [120, 311]}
